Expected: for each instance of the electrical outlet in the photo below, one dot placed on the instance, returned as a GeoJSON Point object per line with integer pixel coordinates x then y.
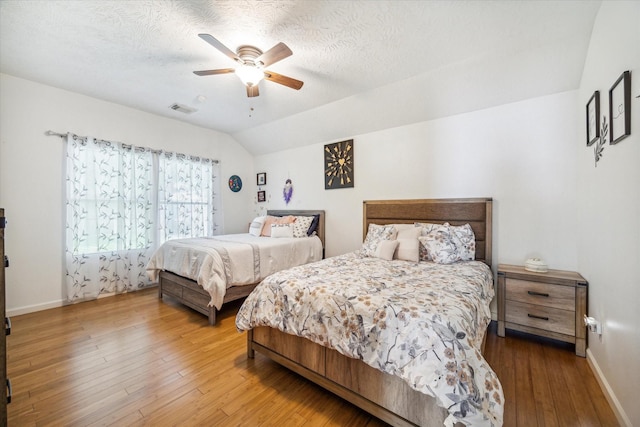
{"type": "Point", "coordinates": [593, 325]}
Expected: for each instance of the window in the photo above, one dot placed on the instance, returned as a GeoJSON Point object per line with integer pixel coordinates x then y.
{"type": "Point", "coordinates": [122, 202]}
{"type": "Point", "coordinates": [185, 196]}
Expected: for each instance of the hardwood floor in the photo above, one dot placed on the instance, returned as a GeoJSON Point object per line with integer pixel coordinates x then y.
{"type": "Point", "coordinates": [135, 360]}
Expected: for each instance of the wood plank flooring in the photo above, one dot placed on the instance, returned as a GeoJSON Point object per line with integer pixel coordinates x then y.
{"type": "Point", "coordinates": [135, 360]}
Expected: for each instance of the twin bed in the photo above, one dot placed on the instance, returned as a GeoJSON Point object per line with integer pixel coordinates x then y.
{"type": "Point", "coordinates": [400, 339]}
{"type": "Point", "coordinates": [205, 273]}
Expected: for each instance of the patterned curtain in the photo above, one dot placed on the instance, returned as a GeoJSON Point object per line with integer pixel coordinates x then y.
{"type": "Point", "coordinates": [122, 202]}
{"type": "Point", "coordinates": [188, 205]}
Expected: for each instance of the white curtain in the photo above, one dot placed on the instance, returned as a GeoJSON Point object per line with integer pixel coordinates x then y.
{"type": "Point", "coordinates": [116, 211]}
{"type": "Point", "coordinates": [187, 201]}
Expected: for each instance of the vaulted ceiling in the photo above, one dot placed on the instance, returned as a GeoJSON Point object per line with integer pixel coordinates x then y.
{"type": "Point", "coordinates": [366, 65]}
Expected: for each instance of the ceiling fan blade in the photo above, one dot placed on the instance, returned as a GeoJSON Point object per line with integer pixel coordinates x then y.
{"type": "Point", "coordinates": [252, 91]}
{"type": "Point", "coordinates": [222, 48]}
{"type": "Point", "coordinates": [283, 80]}
{"type": "Point", "coordinates": [273, 55]}
{"type": "Point", "coordinates": [212, 72]}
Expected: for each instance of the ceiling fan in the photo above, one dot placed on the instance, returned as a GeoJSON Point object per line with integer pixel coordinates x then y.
{"type": "Point", "coordinates": [251, 64]}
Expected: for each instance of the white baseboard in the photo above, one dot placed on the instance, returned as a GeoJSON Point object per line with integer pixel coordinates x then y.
{"type": "Point", "coordinates": [33, 308]}
{"type": "Point", "coordinates": [622, 417]}
{"type": "Point", "coordinates": [45, 306]}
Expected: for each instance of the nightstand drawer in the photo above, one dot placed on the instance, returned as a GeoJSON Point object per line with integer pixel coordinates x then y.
{"type": "Point", "coordinates": [548, 295]}
{"type": "Point", "coordinates": [537, 316]}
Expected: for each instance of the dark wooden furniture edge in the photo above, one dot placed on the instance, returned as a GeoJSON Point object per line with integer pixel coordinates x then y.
{"type": "Point", "coordinates": [5, 383]}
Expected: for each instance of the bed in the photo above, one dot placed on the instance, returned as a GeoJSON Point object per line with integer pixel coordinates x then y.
{"type": "Point", "coordinates": [229, 267]}
{"type": "Point", "coordinates": [299, 337]}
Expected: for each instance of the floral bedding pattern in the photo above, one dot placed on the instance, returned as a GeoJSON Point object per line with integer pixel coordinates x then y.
{"type": "Point", "coordinates": [423, 322]}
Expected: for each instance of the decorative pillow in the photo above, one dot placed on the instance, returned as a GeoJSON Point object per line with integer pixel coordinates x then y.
{"type": "Point", "coordinates": [408, 245]}
{"type": "Point", "coordinates": [376, 234]}
{"type": "Point", "coordinates": [301, 226]}
{"type": "Point", "coordinates": [281, 230]}
{"type": "Point", "coordinates": [386, 249]}
{"type": "Point", "coordinates": [440, 247]}
{"type": "Point", "coordinates": [255, 228]}
{"type": "Point", "coordinates": [427, 228]}
{"type": "Point", "coordinates": [314, 225]}
{"type": "Point", "coordinates": [465, 241]}
{"type": "Point", "coordinates": [266, 228]}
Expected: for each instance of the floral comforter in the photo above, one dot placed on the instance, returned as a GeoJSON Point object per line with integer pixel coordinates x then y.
{"type": "Point", "coordinates": [423, 322]}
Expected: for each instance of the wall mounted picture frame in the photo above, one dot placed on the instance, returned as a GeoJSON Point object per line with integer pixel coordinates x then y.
{"type": "Point", "coordinates": [235, 183]}
{"type": "Point", "coordinates": [593, 118]}
{"type": "Point", "coordinates": [261, 178]}
{"type": "Point", "coordinates": [620, 108]}
{"type": "Point", "coordinates": [338, 165]}
{"type": "Point", "coordinates": [262, 196]}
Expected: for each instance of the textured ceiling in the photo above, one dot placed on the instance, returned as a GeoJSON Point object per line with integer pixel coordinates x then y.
{"type": "Point", "coordinates": [359, 55]}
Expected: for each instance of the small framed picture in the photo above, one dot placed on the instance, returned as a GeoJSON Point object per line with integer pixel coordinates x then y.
{"type": "Point", "coordinates": [593, 118]}
{"type": "Point", "coordinates": [261, 196]}
{"type": "Point", "coordinates": [620, 108]}
{"type": "Point", "coordinates": [262, 178]}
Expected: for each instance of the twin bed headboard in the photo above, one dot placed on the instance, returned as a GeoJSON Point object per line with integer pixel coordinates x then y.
{"type": "Point", "coordinates": [319, 230]}
{"type": "Point", "coordinates": [477, 212]}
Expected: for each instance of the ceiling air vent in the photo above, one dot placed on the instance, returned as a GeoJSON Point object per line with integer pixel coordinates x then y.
{"type": "Point", "coordinates": [182, 108]}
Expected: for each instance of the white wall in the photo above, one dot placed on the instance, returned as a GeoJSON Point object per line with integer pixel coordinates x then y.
{"type": "Point", "coordinates": [31, 175]}
{"type": "Point", "coordinates": [521, 154]}
{"type": "Point", "coordinates": [609, 210]}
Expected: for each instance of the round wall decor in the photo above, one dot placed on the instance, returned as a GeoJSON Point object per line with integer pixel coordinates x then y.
{"type": "Point", "coordinates": [235, 183]}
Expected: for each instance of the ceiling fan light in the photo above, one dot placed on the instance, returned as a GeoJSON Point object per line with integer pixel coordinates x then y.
{"type": "Point", "coordinates": [249, 74]}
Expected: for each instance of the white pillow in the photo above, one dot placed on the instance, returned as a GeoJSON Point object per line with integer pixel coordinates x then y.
{"type": "Point", "coordinates": [281, 230]}
{"type": "Point", "coordinates": [408, 245]}
{"type": "Point", "coordinates": [256, 225]}
{"type": "Point", "coordinates": [386, 248]}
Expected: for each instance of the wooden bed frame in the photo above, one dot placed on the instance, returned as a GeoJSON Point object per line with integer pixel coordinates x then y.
{"type": "Point", "coordinates": [383, 395]}
{"type": "Point", "coordinates": [189, 293]}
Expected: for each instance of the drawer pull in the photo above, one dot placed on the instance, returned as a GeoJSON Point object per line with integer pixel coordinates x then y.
{"type": "Point", "coordinates": [538, 294]}
{"type": "Point", "coordinates": [537, 317]}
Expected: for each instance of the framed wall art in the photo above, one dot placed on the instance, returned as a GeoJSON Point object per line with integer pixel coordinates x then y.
{"type": "Point", "coordinates": [261, 178]}
{"type": "Point", "coordinates": [593, 118]}
{"type": "Point", "coordinates": [261, 196]}
{"type": "Point", "coordinates": [338, 165]}
{"type": "Point", "coordinates": [235, 183]}
{"type": "Point", "coordinates": [620, 108]}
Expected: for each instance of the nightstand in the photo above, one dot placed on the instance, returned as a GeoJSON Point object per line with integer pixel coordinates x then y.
{"type": "Point", "coordinates": [550, 304]}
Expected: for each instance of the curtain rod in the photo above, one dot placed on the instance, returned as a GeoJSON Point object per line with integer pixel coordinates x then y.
{"type": "Point", "coordinates": [52, 133]}
{"type": "Point", "coordinates": [63, 135]}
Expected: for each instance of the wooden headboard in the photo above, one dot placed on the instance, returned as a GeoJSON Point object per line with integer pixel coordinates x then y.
{"type": "Point", "coordinates": [319, 231]}
{"type": "Point", "coordinates": [477, 212]}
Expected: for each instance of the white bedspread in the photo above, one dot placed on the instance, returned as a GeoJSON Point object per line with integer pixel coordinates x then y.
{"type": "Point", "coordinates": [219, 262]}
